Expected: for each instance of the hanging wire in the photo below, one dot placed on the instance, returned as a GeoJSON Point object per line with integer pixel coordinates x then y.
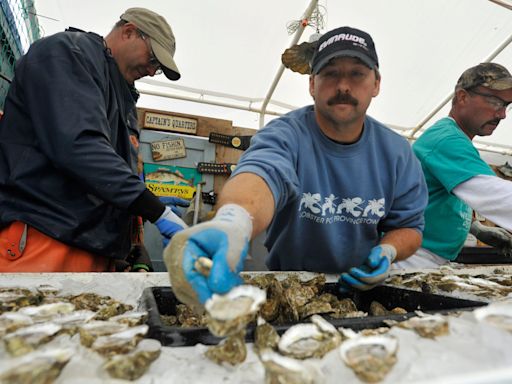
{"type": "Point", "coordinates": [317, 20]}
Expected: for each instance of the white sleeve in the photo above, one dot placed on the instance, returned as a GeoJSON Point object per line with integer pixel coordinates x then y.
{"type": "Point", "coordinates": [490, 196]}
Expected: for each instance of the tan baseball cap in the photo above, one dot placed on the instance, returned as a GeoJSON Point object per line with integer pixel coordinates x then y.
{"type": "Point", "coordinates": [162, 39]}
{"type": "Point", "coordinates": [490, 75]}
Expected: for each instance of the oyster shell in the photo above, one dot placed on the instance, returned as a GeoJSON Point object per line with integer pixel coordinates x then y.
{"type": "Point", "coordinates": [48, 290]}
{"type": "Point", "coordinates": [313, 339]}
{"type": "Point", "coordinates": [120, 342]}
{"type": "Point", "coordinates": [133, 365]}
{"type": "Point", "coordinates": [228, 314]}
{"type": "Point", "coordinates": [25, 340]}
{"type": "Point", "coordinates": [70, 322]}
{"type": "Point", "coordinates": [131, 318]}
{"type": "Point", "coordinates": [47, 311]}
{"type": "Point", "coordinates": [39, 367]}
{"type": "Point", "coordinates": [428, 326]}
{"type": "Point", "coordinates": [11, 321]}
{"type": "Point", "coordinates": [232, 350]}
{"type": "Point", "coordinates": [104, 306]}
{"type": "Point", "coordinates": [370, 357]}
{"type": "Point", "coordinates": [13, 298]}
{"type": "Point", "coordinates": [498, 314]}
{"type": "Point", "coordinates": [94, 329]}
{"type": "Point", "coordinates": [285, 370]}
{"type": "Point", "coordinates": [265, 336]}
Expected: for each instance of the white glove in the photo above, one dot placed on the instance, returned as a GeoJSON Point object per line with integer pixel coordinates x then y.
{"type": "Point", "coordinates": [224, 240]}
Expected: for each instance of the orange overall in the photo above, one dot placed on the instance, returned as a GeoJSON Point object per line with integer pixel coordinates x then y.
{"type": "Point", "coordinates": [25, 249]}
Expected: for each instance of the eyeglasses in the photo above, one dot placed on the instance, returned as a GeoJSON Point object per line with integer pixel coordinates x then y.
{"type": "Point", "coordinates": [496, 102]}
{"type": "Point", "coordinates": [153, 61]}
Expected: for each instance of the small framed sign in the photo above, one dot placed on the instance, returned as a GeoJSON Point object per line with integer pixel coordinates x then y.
{"type": "Point", "coordinates": [170, 123]}
{"type": "Point", "coordinates": [168, 149]}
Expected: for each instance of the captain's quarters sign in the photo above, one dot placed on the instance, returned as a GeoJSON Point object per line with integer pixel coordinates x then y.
{"type": "Point", "coordinates": [170, 123]}
{"type": "Point", "coordinates": [168, 149]}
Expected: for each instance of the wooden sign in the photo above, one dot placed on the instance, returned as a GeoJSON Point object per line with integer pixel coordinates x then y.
{"type": "Point", "coordinates": [168, 149]}
{"type": "Point", "coordinates": [170, 123]}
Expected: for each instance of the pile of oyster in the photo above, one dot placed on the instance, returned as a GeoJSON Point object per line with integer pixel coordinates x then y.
{"type": "Point", "coordinates": [288, 301]}
{"type": "Point", "coordinates": [497, 285]}
{"type": "Point", "coordinates": [34, 324]}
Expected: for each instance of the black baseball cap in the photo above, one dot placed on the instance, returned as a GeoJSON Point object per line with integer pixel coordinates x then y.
{"type": "Point", "coordinates": [344, 41]}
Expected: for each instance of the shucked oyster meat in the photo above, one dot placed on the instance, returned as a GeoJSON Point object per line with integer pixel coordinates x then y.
{"type": "Point", "coordinates": [428, 326]}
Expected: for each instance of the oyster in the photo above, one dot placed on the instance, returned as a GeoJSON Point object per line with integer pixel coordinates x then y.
{"type": "Point", "coordinates": [265, 336]}
{"type": "Point", "coordinates": [131, 318]}
{"type": "Point", "coordinates": [104, 306]}
{"type": "Point", "coordinates": [25, 340]}
{"type": "Point", "coordinates": [285, 370]}
{"type": "Point", "coordinates": [133, 365]}
{"type": "Point", "coordinates": [47, 311]}
{"type": "Point", "coordinates": [70, 322]}
{"type": "Point", "coordinates": [232, 350]}
{"type": "Point", "coordinates": [498, 314]}
{"type": "Point", "coordinates": [428, 326]}
{"type": "Point", "coordinates": [94, 329]}
{"type": "Point", "coordinates": [48, 290]}
{"type": "Point", "coordinates": [39, 367]}
{"type": "Point", "coordinates": [187, 317]}
{"type": "Point", "coordinates": [313, 339]}
{"type": "Point", "coordinates": [228, 314]}
{"type": "Point", "coordinates": [120, 342]}
{"type": "Point", "coordinates": [11, 321]}
{"type": "Point", "coordinates": [12, 298]}
{"type": "Point", "coordinates": [370, 357]}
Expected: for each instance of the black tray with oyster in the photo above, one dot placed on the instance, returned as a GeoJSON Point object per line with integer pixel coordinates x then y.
{"type": "Point", "coordinates": [290, 301]}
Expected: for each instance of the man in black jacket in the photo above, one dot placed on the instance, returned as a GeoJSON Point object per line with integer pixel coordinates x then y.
{"type": "Point", "coordinates": [67, 191]}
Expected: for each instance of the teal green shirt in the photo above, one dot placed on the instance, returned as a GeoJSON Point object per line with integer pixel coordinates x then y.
{"type": "Point", "coordinates": [448, 158]}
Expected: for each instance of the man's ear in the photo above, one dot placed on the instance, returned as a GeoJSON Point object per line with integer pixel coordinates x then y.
{"type": "Point", "coordinates": [312, 86]}
{"type": "Point", "coordinates": [129, 30]}
{"type": "Point", "coordinates": [376, 89]}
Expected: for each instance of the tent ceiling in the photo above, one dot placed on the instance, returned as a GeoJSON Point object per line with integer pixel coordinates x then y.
{"type": "Point", "coordinates": [231, 47]}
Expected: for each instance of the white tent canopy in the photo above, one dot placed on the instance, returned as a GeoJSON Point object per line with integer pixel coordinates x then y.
{"type": "Point", "coordinates": [229, 53]}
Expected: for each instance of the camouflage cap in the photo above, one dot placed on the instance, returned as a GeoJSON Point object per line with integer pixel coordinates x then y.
{"type": "Point", "coordinates": [490, 75]}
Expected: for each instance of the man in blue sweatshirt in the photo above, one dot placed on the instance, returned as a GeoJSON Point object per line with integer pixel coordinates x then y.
{"type": "Point", "coordinates": [338, 191]}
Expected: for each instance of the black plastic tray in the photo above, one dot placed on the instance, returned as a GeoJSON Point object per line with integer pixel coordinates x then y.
{"type": "Point", "coordinates": [481, 255]}
{"type": "Point", "coordinates": [161, 301]}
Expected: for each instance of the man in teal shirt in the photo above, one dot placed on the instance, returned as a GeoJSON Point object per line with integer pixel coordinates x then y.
{"type": "Point", "coordinates": [458, 179]}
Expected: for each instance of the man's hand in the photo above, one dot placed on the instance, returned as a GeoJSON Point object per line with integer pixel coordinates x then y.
{"type": "Point", "coordinates": [224, 240]}
{"type": "Point", "coordinates": [174, 202]}
{"type": "Point", "coordinates": [168, 224]}
{"type": "Point", "coordinates": [372, 273]}
{"type": "Point", "coordinates": [494, 236]}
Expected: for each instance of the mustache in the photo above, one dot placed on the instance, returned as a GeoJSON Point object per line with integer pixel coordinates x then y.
{"type": "Point", "coordinates": [342, 98]}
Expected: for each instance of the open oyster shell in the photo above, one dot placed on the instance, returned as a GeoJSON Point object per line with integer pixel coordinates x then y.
{"type": "Point", "coordinates": [133, 365]}
{"type": "Point", "coordinates": [370, 357]}
{"type": "Point", "coordinates": [428, 326]}
{"type": "Point", "coordinates": [89, 332]}
{"type": "Point", "coordinates": [11, 321]}
{"type": "Point", "coordinates": [25, 340]}
{"type": "Point", "coordinates": [39, 367]}
{"type": "Point", "coordinates": [47, 311]}
{"type": "Point", "coordinates": [498, 314]}
{"type": "Point", "coordinates": [230, 313]}
{"type": "Point", "coordinates": [313, 339]}
{"type": "Point", "coordinates": [121, 342]}
{"type": "Point", "coordinates": [285, 370]}
{"type": "Point", "coordinates": [13, 298]}
{"type": "Point", "coordinates": [131, 318]}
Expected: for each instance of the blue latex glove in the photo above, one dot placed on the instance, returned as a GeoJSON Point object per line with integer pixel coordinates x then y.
{"type": "Point", "coordinates": [372, 273]}
{"type": "Point", "coordinates": [224, 240]}
{"type": "Point", "coordinates": [169, 224]}
{"type": "Point", "coordinates": [174, 202]}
